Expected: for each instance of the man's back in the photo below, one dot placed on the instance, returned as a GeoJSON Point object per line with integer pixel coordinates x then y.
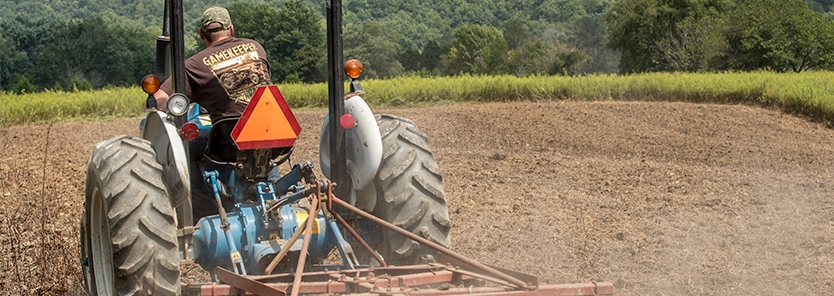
{"type": "Point", "coordinates": [223, 77]}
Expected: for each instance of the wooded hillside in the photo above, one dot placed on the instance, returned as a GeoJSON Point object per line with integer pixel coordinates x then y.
{"type": "Point", "coordinates": [84, 44]}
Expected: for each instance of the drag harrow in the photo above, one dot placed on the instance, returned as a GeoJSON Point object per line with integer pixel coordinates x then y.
{"type": "Point", "coordinates": [148, 200]}
{"type": "Point", "coordinates": [457, 275]}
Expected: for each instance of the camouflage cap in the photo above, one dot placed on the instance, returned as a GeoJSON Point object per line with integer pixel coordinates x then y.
{"type": "Point", "coordinates": [216, 14]}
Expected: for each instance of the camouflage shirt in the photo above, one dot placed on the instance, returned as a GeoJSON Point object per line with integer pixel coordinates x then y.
{"type": "Point", "coordinates": [223, 77]}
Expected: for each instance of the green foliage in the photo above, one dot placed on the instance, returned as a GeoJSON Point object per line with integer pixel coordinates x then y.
{"type": "Point", "coordinates": [782, 35]}
{"type": "Point", "coordinates": [808, 93]}
{"type": "Point", "coordinates": [52, 106]}
{"type": "Point", "coordinates": [560, 11]}
{"type": "Point", "coordinates": [94, 49]}
{"type": "Point", "coordinates": [590, 37]}
{"type": "Point", "coordinates": [101, 50]}
{"type": "Point", "coordinates": [494, 58]}
{"type": "Point", "coordinates": [515, 34]}
{"type": "Point", "coordinates": [532, 58]}
{"type": "Point", "coordinates": [820, 6]}
{"type": "Point", "coordinates": [570, 62]}
{"type": "Point", "coordinates": [80, 84]}
{"type": "Point", "coordinates": [411, 59]}
{"type": "Point", "coordinates": [547, 56]}
{"type": "Point", "coordinates": [25, 39]}
{"type": "Point", "coordinates": [23, 84]}
{"type": "Point", "coordinates": [417, 30]}
{"type": "Point", "coordinates": [476, 49]}
{"type": "Point", "coordinates": [706, 35]}
{"type": "Point", "coordinates": [292, 35]}
{"type": "Point", "coordinates": [376, 46]}
{"type": "Point", "coordinates": [432, 56]}
{"type": "Point", "coordinates": [112, 42]}
{"type": "Point", "coordinates": [11, 61]}
{"type": "Point", "coordinates": [663, 35]}
{"type": "Point", "coordinates": [417, 22]}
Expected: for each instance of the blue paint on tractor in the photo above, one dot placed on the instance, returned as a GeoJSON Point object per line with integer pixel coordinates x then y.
{"type": "Point", "coordinates": [210, 246]}
{"type": "Point", "coordinates": [261, 223]}
{"type": "Point", "coordinates": [265, 215]}
{"type": "Point", "coordinates": [199, 116]}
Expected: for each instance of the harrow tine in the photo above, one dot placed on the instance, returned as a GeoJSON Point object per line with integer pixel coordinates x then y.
{"type": "Point", "coordinates": [285, 249]}
{"type": "Point", "coordinates": [433, 245]}
{"type": "Point", "coordinates": [350, 229]}
{"type": "Point", "coordinates": [247, 283]}
{"type": "Point", "coordinates": [404, 280]}
{"type": "Point", "coordinates": [302, 256]}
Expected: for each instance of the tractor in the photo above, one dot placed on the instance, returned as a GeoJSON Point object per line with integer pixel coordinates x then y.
{"type": "Point", "coordinates": [279, 228]}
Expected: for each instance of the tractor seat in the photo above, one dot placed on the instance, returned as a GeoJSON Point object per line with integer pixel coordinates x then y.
{"type": "Point", "coordinates": [221, 148]}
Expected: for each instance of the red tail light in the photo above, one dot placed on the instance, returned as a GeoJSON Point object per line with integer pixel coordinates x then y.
{"type": "Point", "coordinates": [189, 131]}
{"type": "Point", "coordinates": [347, 121]}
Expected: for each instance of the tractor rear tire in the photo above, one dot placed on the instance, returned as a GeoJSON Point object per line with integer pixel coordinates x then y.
{"type": "Point", "coordinates": [129, 235]}
{"type": "Point", "coordinates": [409, 188]}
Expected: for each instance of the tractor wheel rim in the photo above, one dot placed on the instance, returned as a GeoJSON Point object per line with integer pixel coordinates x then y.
{"type": "Point", "coordinates": [100, 247]}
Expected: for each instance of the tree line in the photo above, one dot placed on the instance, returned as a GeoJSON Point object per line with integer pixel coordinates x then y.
{"type": "Point", "coordinates": [719, 35]}
{"type": "Point", "coordinates": [74, 55]}
{"type": "Point", "coordinates": [111, 43]}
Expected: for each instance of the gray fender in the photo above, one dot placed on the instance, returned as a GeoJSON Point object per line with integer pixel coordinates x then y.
{"type": "Point", "coordinates": [364, 151]}
{"type": "Point", "coordinates": [158, 128]}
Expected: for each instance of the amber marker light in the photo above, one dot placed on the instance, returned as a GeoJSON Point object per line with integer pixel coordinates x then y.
{"type": "Point", "coordinates": [150, 84]}
{"type": "Point", "coordinates": [353, 68]}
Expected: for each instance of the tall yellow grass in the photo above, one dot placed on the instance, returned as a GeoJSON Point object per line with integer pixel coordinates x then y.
{"type": "Point", "coordinates": [810, 93]}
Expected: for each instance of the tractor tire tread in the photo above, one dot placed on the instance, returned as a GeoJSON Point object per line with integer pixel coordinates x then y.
{"type": "Point", "coordinates": [141, 219]}
{"type": "Point", "coordinates": [410, 189]}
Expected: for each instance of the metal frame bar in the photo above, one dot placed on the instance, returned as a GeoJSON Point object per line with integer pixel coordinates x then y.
{"type": "Point", "coordinates": [336, 90]}
{"type": "Point", "coordinates": [177, 69]}
{"type": "Point", "coordinates": [365, 282]}
{"type": "Point", "coordinates": [460, 271]}
{"type": "Point", "coordinates": [432, 245]}
{"type": "Point", "coordinates": [352, 231]}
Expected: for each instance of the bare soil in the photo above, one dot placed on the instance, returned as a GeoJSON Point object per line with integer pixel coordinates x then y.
{"type": "Point", "coordinates": [658, 198]}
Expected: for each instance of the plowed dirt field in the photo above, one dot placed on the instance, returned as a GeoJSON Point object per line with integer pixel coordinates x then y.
{"type": "Point", "coordinates": [658, 198]}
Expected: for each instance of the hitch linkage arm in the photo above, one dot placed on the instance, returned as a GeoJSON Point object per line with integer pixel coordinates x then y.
{"type": "Point", "coordinates": [292, 180]}
{"type": "Point", "coordinates": [237, 261]}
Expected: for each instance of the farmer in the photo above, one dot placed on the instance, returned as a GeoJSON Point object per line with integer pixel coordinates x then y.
{"type": "Point", "coordinates": [221, 78]}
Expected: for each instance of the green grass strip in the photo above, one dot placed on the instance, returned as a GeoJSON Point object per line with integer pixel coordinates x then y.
{"type": "Point", "coordinates": [810, 93]}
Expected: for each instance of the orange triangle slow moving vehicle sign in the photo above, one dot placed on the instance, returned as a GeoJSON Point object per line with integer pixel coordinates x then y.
{"type": "Point", "coordinates": [267, 122]}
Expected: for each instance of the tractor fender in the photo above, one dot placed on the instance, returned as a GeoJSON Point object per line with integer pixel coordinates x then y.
{"type": "Point", "coordinates": [363, 142]}
{"type": "Point", "coordinates": [158, 128]}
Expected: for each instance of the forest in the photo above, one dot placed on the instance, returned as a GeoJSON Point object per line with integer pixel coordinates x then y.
{"type": "Point", "coordinates": [76, 45]}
